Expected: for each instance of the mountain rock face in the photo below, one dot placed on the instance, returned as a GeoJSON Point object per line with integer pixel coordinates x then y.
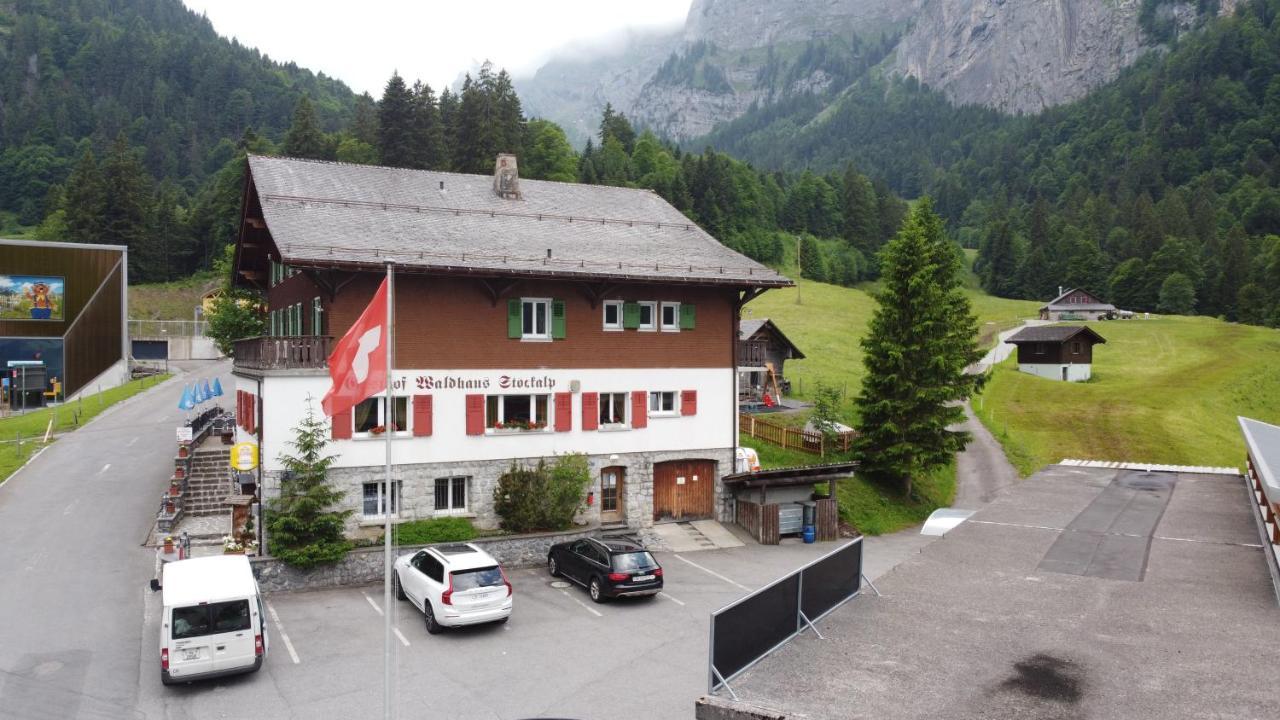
{"type": "Point", "coordinates": [1020, 56]}
{"type": "Point", "coordinates": [1017, 56]}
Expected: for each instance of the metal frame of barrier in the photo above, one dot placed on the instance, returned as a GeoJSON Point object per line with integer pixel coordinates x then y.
{"type": "Point", "coordinates": [716, 679]}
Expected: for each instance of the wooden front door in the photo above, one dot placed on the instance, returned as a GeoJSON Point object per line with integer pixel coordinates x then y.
{"type": "Point", "coordinates": [612, 494]}
{"type": "Point", "coordinates": [684, 490]}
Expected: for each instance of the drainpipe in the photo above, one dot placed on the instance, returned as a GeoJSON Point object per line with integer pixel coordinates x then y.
{"type": "Point", "coordinates": [734, 320]}
{"type": "Point", "coordinates": [262, 514]}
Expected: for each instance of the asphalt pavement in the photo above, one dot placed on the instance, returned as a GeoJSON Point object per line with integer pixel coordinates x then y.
{"type": "Point", "coordinates": [74, 574]}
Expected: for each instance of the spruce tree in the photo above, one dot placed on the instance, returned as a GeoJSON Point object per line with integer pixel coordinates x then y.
{"type": "Point", "coordinates": [922, 337]}
{"type": "Point", "coordinates": [428, 135]}
{"type": "Point", "coordinates": [127, 210]}
{"type": "Point", "coordinates": [395, 124]}
{"type": "Point", "coordinates": [364, 127]}
{"type": "Point", "coordinates": [85, 201]}
{"type": "Point", "coordinates": [858, 211]}
{"type": "Point", "coordinates": [305, 139]}
{"type": "Point", "coordinates": [302, 528]}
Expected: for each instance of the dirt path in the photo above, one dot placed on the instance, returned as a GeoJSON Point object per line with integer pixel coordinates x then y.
{"type": "Point", "coordinates": [982, 469]}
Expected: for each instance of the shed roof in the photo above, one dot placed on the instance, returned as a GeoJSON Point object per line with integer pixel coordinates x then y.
{"type": "Point", "coordinates": [327, 214]}
{"type": "Point", "coordinates": [748, 328]}
{"type": "Point", "coordinates": [1263, 442]}
{"type": "Point", "coordinates": [781, 477]}
{"type": "Point", "coordinates": [1053, 333]}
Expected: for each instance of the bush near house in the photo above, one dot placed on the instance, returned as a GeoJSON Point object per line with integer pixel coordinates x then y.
{"type": "Point", "coordinates": [434, 530]}
{"type": "Point", "coordinates": [544, 497]}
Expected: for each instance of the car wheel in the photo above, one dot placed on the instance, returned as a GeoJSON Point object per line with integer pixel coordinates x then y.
{"type": "Point", "coordinates": [399, 589]}
{"type": "Point", "coordinates": [433, 627]}
{"type": "Point", "coordinates": [553, 567]}
{"type": "Point", "coordinates": [597, 592]}
{"type": "Point", "coordinates": [504, 620]}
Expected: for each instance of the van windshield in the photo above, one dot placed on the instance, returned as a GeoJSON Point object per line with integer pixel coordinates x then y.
{"type": "Point", "coordinates": [478, 578]}
{"type": "Point", "coordinates": [211, 619]}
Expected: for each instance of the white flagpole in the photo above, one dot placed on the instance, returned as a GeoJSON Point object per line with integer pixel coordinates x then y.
{"type": "Point", "coordinates": [389, 418]}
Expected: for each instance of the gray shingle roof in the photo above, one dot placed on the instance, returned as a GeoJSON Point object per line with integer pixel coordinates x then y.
{"type": "Point", "coordinates": [1054, 304]}
{"type": "Point", "coordinates": [1052, 333]}
{"type": "Point", "coordinates": [747, 328]}
{"type": "Point", "coordinates": [325, 213]}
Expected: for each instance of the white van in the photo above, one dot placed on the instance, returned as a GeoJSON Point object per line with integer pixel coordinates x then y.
{"type": "Point", "coordinates": [213, 622]}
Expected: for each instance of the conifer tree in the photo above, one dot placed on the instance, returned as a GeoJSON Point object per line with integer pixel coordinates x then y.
{"type": "Point", "coordinates": [364, 127]}
{"type": "Point", "coordinates": [428, 135]}
{"type": "Point", "coordinates": [396, 124]}
{"type": "Point", "coordinates": [302, 528]}
{"type": "Point", "coordinates": [448, 126]}
{"type": "Point", "coordinates": [858, 212]}
{"type": "Point", "coordinates": [921, 339]}
{"type": "Point", "coordinates": [305, 139]}
{"type": "Point", "coordinates": [127, 209]}
{"type": "Point", "coordinates": [85, 200]}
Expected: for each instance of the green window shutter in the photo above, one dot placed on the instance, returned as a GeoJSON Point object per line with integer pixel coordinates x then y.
{"type": "Point", "coordinates": [687, 315]}
{"type": "Point", "coordinates": [514, 328]}
{"type": "Point", "coordinates": [631, 316]}
{"type": "Point", "coordinates": [557, 319]}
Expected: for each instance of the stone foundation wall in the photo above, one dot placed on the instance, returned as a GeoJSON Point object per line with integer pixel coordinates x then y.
{"type": "Point", "coordinates": [417, 487]}
{"type": "Point", "coordinates": [364, 565]}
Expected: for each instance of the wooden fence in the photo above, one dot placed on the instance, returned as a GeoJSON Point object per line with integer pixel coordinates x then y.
{"type": "Point", "coordinates": [792, 438]}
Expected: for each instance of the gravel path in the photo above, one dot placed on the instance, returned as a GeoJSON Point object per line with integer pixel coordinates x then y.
{"type": "Point", "coordinates": [982, 470]}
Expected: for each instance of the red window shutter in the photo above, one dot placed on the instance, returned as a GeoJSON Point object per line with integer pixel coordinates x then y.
{"type": "Point", "coordinates": [240, 408]}
{"type": "Point", "coordinates": [475, 414]}
{"type": "Point", "coordinates": [590, 411]}
{"type": "Point", "coordinates": [342, 425]}
{"type": "Point", "coordinates": [564, 412]}
{"type": "Point", "coordinates": [421, 415]}
{"type": "Point", "coordinates": [688, 402]}
{"type": "Point", "coordinates": [253, 412]}
{"type": "Point", "coordinates": [639, 409]}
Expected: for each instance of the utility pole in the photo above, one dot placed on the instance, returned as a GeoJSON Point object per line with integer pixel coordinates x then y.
{"type": "Point", "coordinates": [798, 273]}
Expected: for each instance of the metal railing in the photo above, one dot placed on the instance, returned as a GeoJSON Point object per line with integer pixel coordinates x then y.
{"type": "Point", "coordinates": [283, 352]}
{"type": "Point", "coordinates": [167, 328]}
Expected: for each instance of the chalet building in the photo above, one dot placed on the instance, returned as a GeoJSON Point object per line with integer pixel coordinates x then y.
{"type": "Point", "coordinates": [1056, 352]}
{"type": "Point", "coordinates": [532, 318]}
{"type": "Point", "coordinates": [1077, 304]}
{"type": "Point", "coordinates": [762, 350]}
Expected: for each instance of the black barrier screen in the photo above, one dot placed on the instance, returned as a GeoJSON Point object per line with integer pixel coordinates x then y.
{"type": "Point", "coordinates": [744, 632]}
{"type": "Point", "coordinates": [150, 349]}
{"type": "Point", "coordinates": [831, 580]}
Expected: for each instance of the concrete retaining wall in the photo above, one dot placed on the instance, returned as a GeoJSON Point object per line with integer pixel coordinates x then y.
{"type": "Point", "coordinates": [364, 565]}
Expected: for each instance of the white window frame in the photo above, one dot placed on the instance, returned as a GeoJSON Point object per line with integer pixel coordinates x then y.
{"type": "Point", "coordinates": [397, 500]}
{"type": "Point", "coordinates": [490, 429]}
{"type": "Point", "coordinates": [451, 510]}
{"type": "Point", "coordinates": [317, 313]}
{"type": "Point", "coordinates": [652, 325]}
{"type": "Point", "coordinates": [626, 411]}
{"type": "Point", "coordinates": [382, 418]}
{"type": "Point", "coordinates": [604, 315]}
{"type": "Point", "coordinates": [535, 336]}
{"type": "Point", "coordinates": [675, 404]}
{"type": "Point", "coordinates": [674, 326]}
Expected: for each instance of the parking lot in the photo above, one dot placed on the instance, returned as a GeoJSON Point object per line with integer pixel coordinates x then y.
{"type": "Point", "coordinates": [559, 656]}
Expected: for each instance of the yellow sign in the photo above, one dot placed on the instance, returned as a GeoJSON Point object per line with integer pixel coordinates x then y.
{"type": "Point", "coordinates": [244, 456]}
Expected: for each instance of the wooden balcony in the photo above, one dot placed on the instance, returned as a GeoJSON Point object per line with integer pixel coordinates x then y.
{"type": "Point", "coordinates": [295, 352]}
{"type": "Point", "coordinates": [752, 354]}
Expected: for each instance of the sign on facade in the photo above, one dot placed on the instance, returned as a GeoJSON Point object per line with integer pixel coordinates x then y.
{"type": "Point", "coordinates": [184, 434]}
{"type": "Point", "coordinates": [244, 456]}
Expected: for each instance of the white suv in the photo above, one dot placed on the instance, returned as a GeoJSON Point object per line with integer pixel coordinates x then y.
{"type": "Point", "coordinates": [453, 585]}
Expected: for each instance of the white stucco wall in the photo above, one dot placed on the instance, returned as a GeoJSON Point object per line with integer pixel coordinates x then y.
{"type": "Point", "coordinates": [714, 425]}
{"type": "Point", "coordinates": [1076, 372]}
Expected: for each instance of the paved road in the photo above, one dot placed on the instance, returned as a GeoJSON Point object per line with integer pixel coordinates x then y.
{"type": "Point", "coordinates": [73, 575]}
{"type": "Point", "coordinates": [982, 470]}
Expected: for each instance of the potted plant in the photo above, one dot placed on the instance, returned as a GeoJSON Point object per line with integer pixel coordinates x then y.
{"type": "Point", "coordinates": [174, 488]}
{"type": "Point", "coordinates": [168, 545]}
{"type": "Point", "coordinates": [183, 450]}
{"type": "Point", "coordinates": [377, 429]}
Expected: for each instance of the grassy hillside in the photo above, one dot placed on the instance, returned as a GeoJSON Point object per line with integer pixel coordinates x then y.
{"type": "Point", "coordinates": [828, 322]}
{"type": "Point", "coordinates": [1166, 390]}
{"type": "Point", "coordinates": [175, 300]}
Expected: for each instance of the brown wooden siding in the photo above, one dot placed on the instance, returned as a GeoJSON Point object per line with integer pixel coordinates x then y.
{"type": "Point", "coordinates": [692, 499]}
{"type": "Point", "coordinates": [1057, 353]}
{"type": "Point", "coordinates": [94, 342]}
{"type": "Point", "coordinates": [445, 322]}
{"type": "Point", "coordinates": [302, 289]}
{"type": "Point", "coordinates": [761, 521]}
{"type": "Point", "coordinates": [827, 521]}
{"type": "Point", "coordinates": [83, 269]}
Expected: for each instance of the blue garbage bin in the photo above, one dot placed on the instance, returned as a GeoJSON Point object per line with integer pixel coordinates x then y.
{"type": "Point", "coordinates": [808, 534]}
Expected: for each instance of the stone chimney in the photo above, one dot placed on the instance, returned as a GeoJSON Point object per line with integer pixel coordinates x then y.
{"type": "Point", "coordinates": [506, 178]}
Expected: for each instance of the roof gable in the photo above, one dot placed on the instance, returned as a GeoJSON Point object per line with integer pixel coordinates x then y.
{"type": "Point", "coordinates": [334, 214]}
{"type": "Point", "coordinates": [1094, 302]}
{"type": "Point", "coordinates": [748, 329]}
{"type": "Point", "coordinates": [1054, 333]}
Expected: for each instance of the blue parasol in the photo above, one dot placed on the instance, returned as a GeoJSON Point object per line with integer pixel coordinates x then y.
{"type": "Point", "coordinates": [205, 392]}
{"type": "Point", "coordinates": [187, 402]}
{"type": "Point", "coordinates": [217, 388]}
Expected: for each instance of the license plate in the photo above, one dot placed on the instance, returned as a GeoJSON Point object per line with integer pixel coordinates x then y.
{"type": "Point", "coordinates": [641, 578]}
{"type": "Point", "coordinates": [191, 654]}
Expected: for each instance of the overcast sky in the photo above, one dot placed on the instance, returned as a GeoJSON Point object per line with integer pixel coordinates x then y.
{"type": "Point", "coordinates": [361, 41]}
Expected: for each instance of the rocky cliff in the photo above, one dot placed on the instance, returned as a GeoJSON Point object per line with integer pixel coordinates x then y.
{"type": "Point", "coordinates": [739, 25]}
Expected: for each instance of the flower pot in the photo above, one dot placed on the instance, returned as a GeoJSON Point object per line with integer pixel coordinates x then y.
{"type": "Point", "coordinates": [170, 506]}
{"type": "Point", "coordinates": [168, 546]}
{"type": "Point", "coordinates": [174, 489]}
{"type": "Point", "coordinates": [182, 451]}
{"type": "Point", "coordinates": [179, 472]}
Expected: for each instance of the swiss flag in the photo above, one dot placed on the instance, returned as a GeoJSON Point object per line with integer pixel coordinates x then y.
{"type": "Point", "coordinates": [358, 364]}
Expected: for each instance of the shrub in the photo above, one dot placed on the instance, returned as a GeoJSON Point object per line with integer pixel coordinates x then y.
{"type": "Point", "coordinates": [544, 497]}
{"type": "Point", "coordinates": [302, 529]}
{"type": "Point", "coordinates": [435, 530]}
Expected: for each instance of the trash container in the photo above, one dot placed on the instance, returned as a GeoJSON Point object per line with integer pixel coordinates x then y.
{"type": "Point", "coordinates": [809, 535]}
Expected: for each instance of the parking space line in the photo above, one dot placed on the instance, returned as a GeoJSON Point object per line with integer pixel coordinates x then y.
{"type": "Point", "coordinates": [376, 608]}
{"type": "Point", "coordinates": [275, 618]}
{"type": "Point", "coordinates": [105, 468]}
{"type": "Point", "coordinates": [585, 606]}
{"type": "Point", "coordinates": [678, 602]}
{"type": "Point", "coordinates": [713, 573]}
{"type": "Point", "coordinates": [400, 635]}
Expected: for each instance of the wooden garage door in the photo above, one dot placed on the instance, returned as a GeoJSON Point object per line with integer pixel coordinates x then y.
{"type": "Point", "coordinates": [684, 490]}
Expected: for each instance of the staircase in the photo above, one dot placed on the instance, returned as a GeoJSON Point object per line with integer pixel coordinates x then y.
{"type": "Point", "coordinates": [209, 484]}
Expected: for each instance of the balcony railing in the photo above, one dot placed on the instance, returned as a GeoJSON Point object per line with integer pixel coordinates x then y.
{"type": "Point", "coordinates": [283, 352]}
{"type": "Point", "coordinates": [752, 354]}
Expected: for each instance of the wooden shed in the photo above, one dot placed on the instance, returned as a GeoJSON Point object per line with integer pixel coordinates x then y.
{"type": "Point", "coordinates": [1057, 352]}
{"type": "Point", "coordinates": [762, 348]}
{"type": "Point", "coordinates": [763, 500]}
